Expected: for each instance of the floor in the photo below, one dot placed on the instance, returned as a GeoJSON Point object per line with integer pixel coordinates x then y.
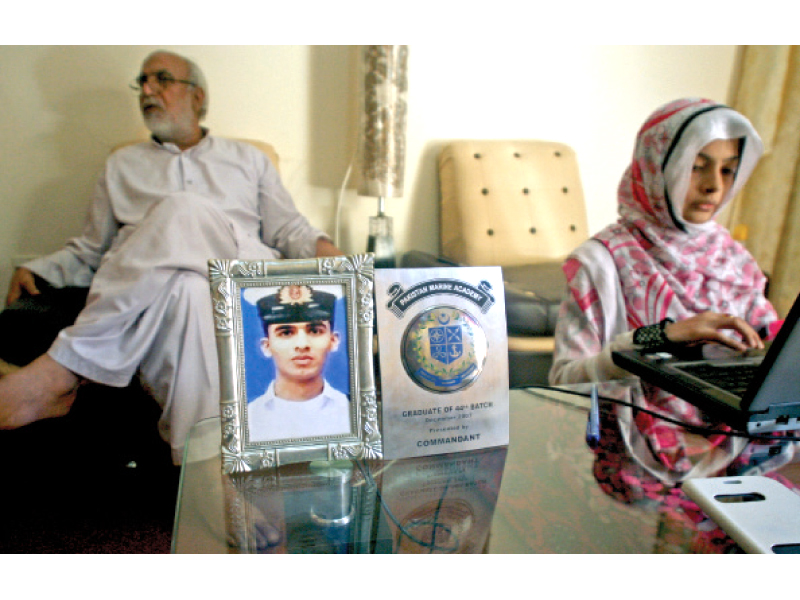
{"type": "Point", "coordinates": [97, 481]}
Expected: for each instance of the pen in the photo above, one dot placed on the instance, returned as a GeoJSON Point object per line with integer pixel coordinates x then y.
{"type": "Point", "coordinates": [593, 423]}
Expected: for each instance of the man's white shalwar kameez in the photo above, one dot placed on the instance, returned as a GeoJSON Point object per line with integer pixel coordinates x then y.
{"type": "Point", "coordinates": [158, 215]}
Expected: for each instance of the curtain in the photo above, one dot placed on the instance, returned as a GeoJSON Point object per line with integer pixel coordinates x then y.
{"type": "Point", "coordinates": [765, 216]}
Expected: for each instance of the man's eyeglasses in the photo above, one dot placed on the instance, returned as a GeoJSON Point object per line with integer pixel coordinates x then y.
{"type": "Point", "coordinates": [158, 81]}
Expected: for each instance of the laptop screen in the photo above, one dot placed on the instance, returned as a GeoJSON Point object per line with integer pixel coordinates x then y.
{"type": "Point", "coordinates": [781, 384]}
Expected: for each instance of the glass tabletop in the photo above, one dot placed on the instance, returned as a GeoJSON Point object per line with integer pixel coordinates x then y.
{"type": "Point", "coordinates": [546, 492]}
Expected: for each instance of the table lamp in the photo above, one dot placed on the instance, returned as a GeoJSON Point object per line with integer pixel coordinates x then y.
{"type": "Point", "coordinates": [382, 140]}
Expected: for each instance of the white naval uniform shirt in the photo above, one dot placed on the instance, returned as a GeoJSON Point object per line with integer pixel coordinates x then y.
{"type": "Point", "coordinates": [271, 418]}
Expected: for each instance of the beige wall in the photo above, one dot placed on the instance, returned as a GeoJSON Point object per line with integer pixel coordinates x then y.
{"type": "Point", "coordinates": [64, 107]}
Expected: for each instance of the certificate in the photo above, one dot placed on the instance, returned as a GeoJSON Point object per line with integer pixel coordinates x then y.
{"type": "Point", "coordinates": [443, 359]}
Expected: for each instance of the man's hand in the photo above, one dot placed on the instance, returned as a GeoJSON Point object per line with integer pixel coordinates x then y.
{"type": "Point", "coordinates": [21, 281]}
{"type": "Point", "coordinates": [710, 327]}
{"type": "Point", "coordinates": [326, 248]}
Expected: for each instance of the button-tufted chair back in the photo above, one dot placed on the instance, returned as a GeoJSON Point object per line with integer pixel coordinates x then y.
{"type": "Point", "coordinates": [510, 203]}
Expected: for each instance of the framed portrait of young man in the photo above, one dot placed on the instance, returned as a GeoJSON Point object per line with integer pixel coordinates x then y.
{"type": "Point", "coordinates": [294, 341]}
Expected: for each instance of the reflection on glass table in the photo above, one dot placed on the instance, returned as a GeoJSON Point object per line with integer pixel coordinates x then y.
{"type": "Point", "coordinates": [547, 491]}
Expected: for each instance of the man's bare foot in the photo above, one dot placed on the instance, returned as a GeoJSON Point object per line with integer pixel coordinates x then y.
{"type": "Point", "coordinates": [40, 390]}
{"type": "Point", "coordinates": [7, 368]}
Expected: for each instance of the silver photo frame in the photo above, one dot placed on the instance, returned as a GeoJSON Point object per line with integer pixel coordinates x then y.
{"type": "Point", "coordinates": [248, 296]}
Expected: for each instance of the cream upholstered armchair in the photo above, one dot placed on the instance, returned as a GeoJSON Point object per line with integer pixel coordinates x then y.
{"type": "Point", "coordinates": [519, 205]}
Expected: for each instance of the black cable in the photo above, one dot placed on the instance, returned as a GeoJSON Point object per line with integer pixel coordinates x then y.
{"type": "Point", "coordinates": [688, 426]}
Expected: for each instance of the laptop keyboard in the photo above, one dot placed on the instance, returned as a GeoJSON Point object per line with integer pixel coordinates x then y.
{"type": "Point", "coordinates": [731, 378]}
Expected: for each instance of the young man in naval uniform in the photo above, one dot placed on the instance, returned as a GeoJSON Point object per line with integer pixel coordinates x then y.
{"type": "Point", "coordinates": [298, 337]}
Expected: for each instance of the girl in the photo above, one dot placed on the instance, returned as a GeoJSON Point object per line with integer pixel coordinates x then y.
{"type": "Point", "coordinates": [666, 273]}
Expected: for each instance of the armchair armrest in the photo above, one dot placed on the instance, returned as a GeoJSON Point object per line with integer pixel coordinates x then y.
{"type": "Point", "coordinates": [416, 259]}
{"type": "Point", "coordinates": [31, 323]}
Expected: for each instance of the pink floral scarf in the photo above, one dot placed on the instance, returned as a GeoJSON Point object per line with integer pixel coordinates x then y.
{"type": "Point", "coordinates": [670, 268]}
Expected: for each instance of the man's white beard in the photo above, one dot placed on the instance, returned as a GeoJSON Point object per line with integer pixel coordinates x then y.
{"type": "Point", "coordinates": [167, 129]}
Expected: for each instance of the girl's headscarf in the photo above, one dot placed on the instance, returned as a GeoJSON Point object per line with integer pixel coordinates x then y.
{"type": "Point", "coordinates": [670, 267]}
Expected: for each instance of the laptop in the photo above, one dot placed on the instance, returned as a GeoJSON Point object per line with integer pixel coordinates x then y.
{"type": "Point", "coordinates": [756, 391]}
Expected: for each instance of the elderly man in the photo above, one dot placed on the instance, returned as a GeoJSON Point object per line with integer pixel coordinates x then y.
{"type": "Point", "coordinates": [161, 209]}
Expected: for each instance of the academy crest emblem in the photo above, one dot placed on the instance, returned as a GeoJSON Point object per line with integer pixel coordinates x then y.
{"type": "Point", "coordinates": [444, 349]}
{"type": "Point", "coordinates": [446, 342]}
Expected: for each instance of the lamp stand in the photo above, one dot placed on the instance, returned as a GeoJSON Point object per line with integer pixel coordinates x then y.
{"type": "Point", "coordinates": [381, 239]}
